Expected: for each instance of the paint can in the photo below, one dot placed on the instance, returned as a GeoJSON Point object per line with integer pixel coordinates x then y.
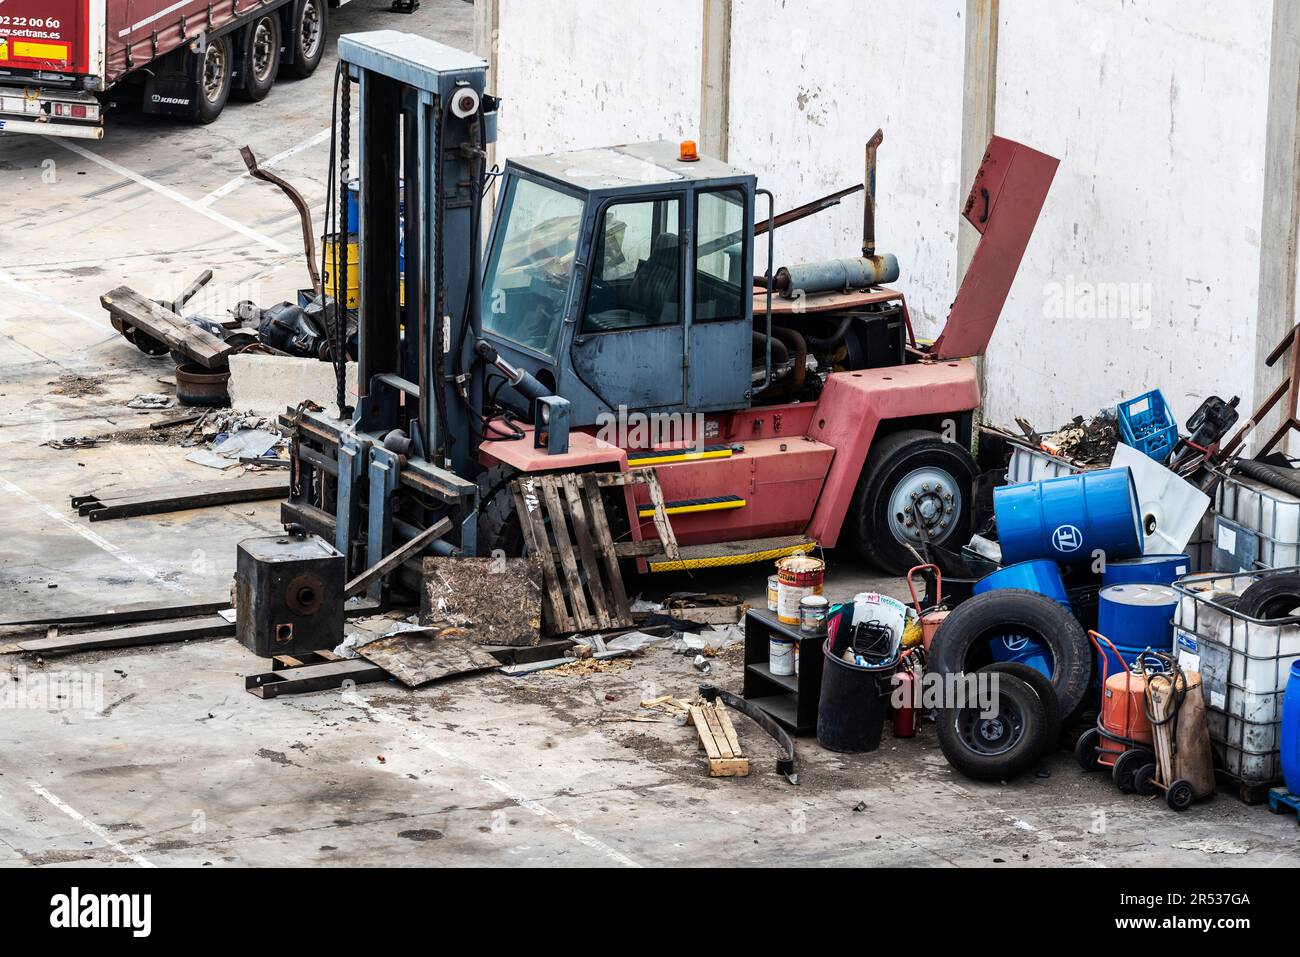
{"type": "Point", "coordinates": [772, 586]}
{"type": "Point", "coordinates": [781, 655]}
{"type": "Point", "coordinates": [798, 576]}
{"type": "Point", "coordinates": [813, 610]}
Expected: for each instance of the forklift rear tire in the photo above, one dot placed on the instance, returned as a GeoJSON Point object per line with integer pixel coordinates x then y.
{"type": "Point", "coordinates": [309, 38]}
{"type": "Point", "coordinates": [916, 488]}
{"type": "Point", "coordinates": [214, 71]}
{"type": "Point", "coordinates": [261, 60]}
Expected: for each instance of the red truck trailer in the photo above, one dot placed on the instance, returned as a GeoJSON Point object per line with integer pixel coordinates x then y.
{"type": "Point", "coordinates": [59, 58]}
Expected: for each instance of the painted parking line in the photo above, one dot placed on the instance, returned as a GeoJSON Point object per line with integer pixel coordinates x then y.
{"type": "Point", "coordinates": [190, 204]}
{"type": "Point", "coordinates": [99, 541]}
{"type": "Point", "coordinates": [221, 192]}
{"type": "Point", "coordinates": [532, 805]}
{"type": "Point", "coordinates": [37, 296]}
{"type": "Point", "coordinates": [89, 825]}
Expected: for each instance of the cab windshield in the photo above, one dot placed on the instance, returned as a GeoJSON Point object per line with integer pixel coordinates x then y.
{"type": "Point", "coordinates": [528, 268]}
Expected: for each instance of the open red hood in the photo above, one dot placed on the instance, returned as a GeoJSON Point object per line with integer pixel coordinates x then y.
{"type": "Point", "coordinates": [1003, 205]}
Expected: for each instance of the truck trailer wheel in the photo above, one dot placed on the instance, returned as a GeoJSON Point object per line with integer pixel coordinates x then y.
{"type": "Point", "coordinates": [309, 36]}
{"type": "Point", "coordinates": [213, 75]}
{"type": "Point", "coordinates": [916, 488]}
{"type": "Point", "coordinates": [261, 60]}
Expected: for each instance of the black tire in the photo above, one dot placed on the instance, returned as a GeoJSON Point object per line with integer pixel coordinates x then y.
{"type": "Point", "coordinates": [1179, 795]}
{"type": "Point", "coordinates": [1085, 750]}
{"type": "Point", "coordinates": [498, 520]}
{"type": "Point", "coordinates": [1127, 765]}
{"type": "Point", "coordinates": [890, 467]}
{"type": "Point", "coordinates": [1270, 598]}
{"type": "Point", "coordinates": [1144, 780]}
{"type": "Point", "coordinates": [1042, 686]}
{"type": "Point", "coordinates": [214, 71]}
{"type": "Point", "coordinates": [310, 36]}
{"type": "Point", "coordinates": [999, 748]}
{"type": "Point", "coordinates": [260, 62]}
{"type": "Point", "coordinates": [961, 644]}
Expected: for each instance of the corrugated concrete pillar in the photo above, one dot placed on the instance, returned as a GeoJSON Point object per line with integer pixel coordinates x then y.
{"type": "Point", "coordinates": [979, 101]}
{"type": "Point", "coordinates": [715, 78]}
{"type": "Point", "coordinates": [1279, 265]}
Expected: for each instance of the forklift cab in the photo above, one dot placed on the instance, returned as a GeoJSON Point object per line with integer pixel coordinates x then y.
{"type": "Point", "coordinates": [622, 277]}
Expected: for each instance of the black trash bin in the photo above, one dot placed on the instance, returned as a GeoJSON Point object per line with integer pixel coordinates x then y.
{"type": "Point", "coordinates": [854, 703]}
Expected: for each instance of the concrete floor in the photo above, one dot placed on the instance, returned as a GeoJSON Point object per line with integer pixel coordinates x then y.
{"type": "Point", "coordinates": [180, 766]}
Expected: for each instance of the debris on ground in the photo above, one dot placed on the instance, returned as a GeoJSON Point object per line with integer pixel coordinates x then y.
{"type": "Point", "coordinates": [583, 667]}
{"type": "Point", "coordinates": [74, 442]}
{"type": "Point", "coordinates": [150, 400]}
{"type": "Point", "coordinates": [1087, 444]}
{"type": "Point", "coordinates": [71, 384]}
{"type": "Point", "coordinates": [500, 597]}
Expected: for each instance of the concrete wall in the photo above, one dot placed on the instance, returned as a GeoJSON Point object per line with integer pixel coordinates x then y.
{"type": "Point", "coordinates": [1145, 267]}
{"type": "Point", "coordinates": [1143, 271]}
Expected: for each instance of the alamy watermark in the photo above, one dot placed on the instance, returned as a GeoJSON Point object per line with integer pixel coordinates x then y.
{"type": "Point", "coordinates": [52, 690]}
{"type": "Point", "coordinates": [652, 430]}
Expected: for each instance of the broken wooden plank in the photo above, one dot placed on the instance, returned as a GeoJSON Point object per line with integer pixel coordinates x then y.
{"type": "Point", "coordinates": [719, 742]}
{"type": "Point", "coordinates": [423, 655]}
{"type": "Point", "coordinates": [322, 677]}
{"type": "Point", "coordinates": [128, 614]}
{"type": "Point", "coordinates": [157, 634]}
{"type": "Point", "coordinates": [196, 343]}
{"type": "Point", "coordinates": [528, 507]}
{"type": "Point", "coordinates": [398, 555]}
{"type": "Point", "coordinates": [582, 533]}
{"type": "Point", "coordinates": [605, 543]}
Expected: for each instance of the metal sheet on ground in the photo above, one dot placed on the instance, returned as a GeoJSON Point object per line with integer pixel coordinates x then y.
{"type": "Point", "coordinates": [423, 655]}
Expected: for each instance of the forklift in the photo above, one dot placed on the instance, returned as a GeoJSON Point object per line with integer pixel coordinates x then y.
{"type": "Point", "coordinates": [619, 284]}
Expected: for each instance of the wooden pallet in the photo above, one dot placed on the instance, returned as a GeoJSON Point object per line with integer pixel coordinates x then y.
{"type": "Point", "coordinates": [563, 520]}
{"type": "Point", "coordinates": [719, 742]}
{"type": "Point", "coordinates": [1281, 798]}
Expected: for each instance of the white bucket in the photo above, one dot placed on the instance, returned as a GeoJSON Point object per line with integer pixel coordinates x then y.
{"type": "Point", "coordinates": [781, 656]}
{"type": "Point", "coordinates": [873, 606]}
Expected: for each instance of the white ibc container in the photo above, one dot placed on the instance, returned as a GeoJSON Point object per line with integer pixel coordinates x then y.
{"type": "Point", "coordinates": [1269, 512]}
{"type": "Point", "coordinates": [1244, 665]}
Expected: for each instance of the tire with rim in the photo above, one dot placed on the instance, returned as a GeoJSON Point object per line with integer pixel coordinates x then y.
{"type": "Point", "coordinates": [1042, 686]}
{"type": "Point", "coordinates": [214, 75]}
{"type": "Point", "coordinates": [261, 61]}
{"type": "Point", "coordinates": [916, 488]}
{"type": "Point", "coordinates": [999, 747]}
{"type": "Point", "coordinates": [961, 644]}
{"type": "Point", "coordinates": [309, 37]}
{"type": "Point", "coordinates": [498, 521]}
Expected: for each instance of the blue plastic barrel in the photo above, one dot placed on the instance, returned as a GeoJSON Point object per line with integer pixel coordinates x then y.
{"type": "Point", "coordinates": [1146, 570]}
{"type": "Point", "coordinates": [1135, 618]}
{"type": "Point", "coordinates": [1041, 576]}
{"type": "Point", "coordinates": [1070, 518]}
{"type": "Point", "coordinates": [1291, 731]}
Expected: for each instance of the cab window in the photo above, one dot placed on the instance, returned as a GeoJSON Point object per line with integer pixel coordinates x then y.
{"type": "Point", "coordinates": [719, 256]}
{"type": "Point", "coordinates": [637, 270]}
{"type": "Point", "coordinates": [526, 282]}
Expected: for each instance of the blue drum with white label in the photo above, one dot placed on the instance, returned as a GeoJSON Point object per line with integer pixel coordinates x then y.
{"type": "Point", "coordinates": [1072, 519]}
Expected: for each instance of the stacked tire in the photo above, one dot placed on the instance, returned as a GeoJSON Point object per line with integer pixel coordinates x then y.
{"type": "Point", "coordinates": [1029, 708]}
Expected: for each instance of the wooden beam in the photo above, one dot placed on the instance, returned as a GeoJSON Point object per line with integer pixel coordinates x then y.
{"type": "Point", "coordinates": [396, 557]}
{"type": "Point", "coordinates": [715, 79]}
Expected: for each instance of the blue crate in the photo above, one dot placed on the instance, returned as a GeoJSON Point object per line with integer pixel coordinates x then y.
{"type": "Point", "coordinates": [1146, 424]}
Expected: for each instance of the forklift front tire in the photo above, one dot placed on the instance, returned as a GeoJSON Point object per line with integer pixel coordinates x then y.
{"type": "Point", "coordinates": [916, 488]}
